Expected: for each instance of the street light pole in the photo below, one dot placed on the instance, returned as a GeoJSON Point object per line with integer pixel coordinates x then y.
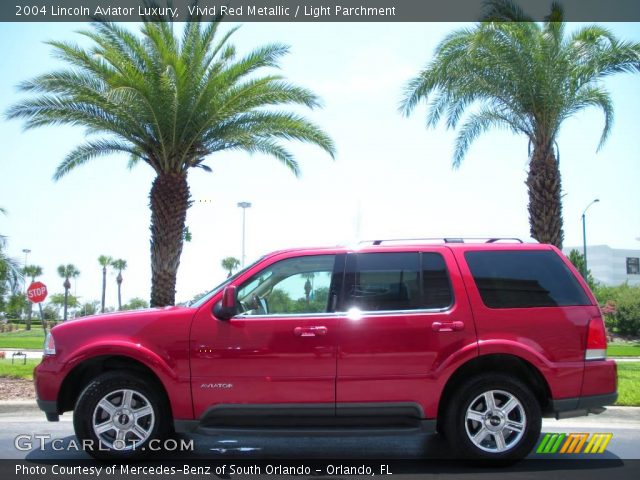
{"type": "Point", "coordinates": [584, 237]}
{"type": "Point", "coordinates": [26, 252]}
{"type": "Point", "coordinates": [243, 206]}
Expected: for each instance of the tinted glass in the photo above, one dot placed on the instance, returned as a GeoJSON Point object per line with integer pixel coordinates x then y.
{"type": "Point", "coordinates": [436, 288]}
{"type": "Point", "coordinates": [519, 279]}
{"type": "Point", "coordinates": [383, 281]}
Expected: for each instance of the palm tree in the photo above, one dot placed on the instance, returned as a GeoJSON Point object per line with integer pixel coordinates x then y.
{"type": "Point", "coordinates": [32, 271]}
{"type": "Point", "coordinates": [10, 273]}
{"type": "Point", "coordinates": [511, 72]}
{"type": "Point", "coordinates": [230, 264]}
{"type": "Point", "coordinates": [169, 101]}
{"type": "Point", "coordinates": [59, 300]}
{"type": "Point", "coordinates": [105, 261]}
{"type": "Point", "coordinates": [67, 271]}
{"type": "Point", "coordinates": [308, 285]}
{"type": "Point", "coordinates": [119, 265]}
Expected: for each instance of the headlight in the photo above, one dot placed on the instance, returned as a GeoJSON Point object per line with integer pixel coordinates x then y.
{"type": "Point", "coordinates": [49, 345]}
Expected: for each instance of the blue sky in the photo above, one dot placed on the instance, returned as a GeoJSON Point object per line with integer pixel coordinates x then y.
{"type": "Point", "coordinates": [392, 177]}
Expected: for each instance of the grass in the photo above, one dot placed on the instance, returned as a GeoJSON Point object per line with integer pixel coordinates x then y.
{"type": "Point", "coordinates": [18, 369]}
{"type": "Point", "coordinates": [629, 384]}
{"type": "Point", "coordinates": [624, 350]}
{"type": "Point", "coordinates": [32, 339]}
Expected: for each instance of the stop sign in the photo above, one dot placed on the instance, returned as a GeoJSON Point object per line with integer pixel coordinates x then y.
{"type": "Point", "coordinates": [37, 292]}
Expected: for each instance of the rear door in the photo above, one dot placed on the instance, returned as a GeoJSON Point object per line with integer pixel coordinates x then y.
{"type": "Point", "coordinates": [406, 320]}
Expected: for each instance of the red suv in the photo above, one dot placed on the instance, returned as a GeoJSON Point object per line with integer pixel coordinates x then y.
{"type": "Point", "coordinates": [477, 340]}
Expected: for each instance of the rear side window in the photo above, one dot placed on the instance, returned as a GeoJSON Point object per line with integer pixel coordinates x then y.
{"type": "Point", "coordinates": [521, 279]}
{"type": "Point", "coordinates": [436, 288]}
{"type": "Point", "coordinates": [397, 281]}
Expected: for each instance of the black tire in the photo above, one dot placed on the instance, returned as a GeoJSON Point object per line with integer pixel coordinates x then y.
{"type": "Point", "coordinates": [470, 399]}
{"type": "Point", "coordinates": [152, 423]}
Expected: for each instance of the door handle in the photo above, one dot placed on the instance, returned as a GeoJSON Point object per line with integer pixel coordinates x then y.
{"type": "Point", "coordinates": [310, 331]}
{"type": "Point", "coordinates": [447, 326]}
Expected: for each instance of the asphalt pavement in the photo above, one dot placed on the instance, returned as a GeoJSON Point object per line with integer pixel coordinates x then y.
{"type": "Point", "coordinates": [25, 434]}
{"type": "Point", "coordinates": [26, 437]}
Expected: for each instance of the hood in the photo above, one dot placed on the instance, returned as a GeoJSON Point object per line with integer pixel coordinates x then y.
{"type": "Point", "coordinates": [122, 316]}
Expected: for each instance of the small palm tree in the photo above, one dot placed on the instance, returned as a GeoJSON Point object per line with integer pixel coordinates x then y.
{"type": "Point", "coordinates": [170, 101]}
{"type": "Point", "coordinates": [230, 264]}
{"type": "Point", "coordinates": [510, 72]}
{"type": "Point", "coordinates": [67, 271]}
{"type": "Point", "coordinates": [308, 285]}
{"type": "Point", "coordinates": [104, 261]}
{"type": "Point", "coordinates": [32, 271]}
{"type": "Point", "coordinates": [119, 265]}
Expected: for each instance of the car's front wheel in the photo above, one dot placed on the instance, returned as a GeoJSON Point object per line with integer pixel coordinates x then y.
{"type": "Point", "coordinates": [118, 414]}
{"type": "Point", "coordinates": [493, 416]}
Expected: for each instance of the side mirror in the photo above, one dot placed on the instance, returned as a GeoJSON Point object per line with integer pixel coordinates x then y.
{"type": "Point", "coordinates": [226, 308]}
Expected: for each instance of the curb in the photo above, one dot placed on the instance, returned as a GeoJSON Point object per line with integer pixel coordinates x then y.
{"type": "Point", "coordinates": [18, 406]}
{"type": "Point", "coordinates": [29, 350]}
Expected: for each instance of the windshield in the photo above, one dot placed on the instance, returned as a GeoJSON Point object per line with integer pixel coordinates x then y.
{"type": "Point", "coordinates": [210, 294]}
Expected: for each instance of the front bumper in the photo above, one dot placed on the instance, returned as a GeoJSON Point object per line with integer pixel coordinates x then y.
{"type": "Point", "coordinates": [50, 408]}
{"type": "Point", "coordinates": [46, 379]}
{"type": "Point", "coordinates": [581, 406]}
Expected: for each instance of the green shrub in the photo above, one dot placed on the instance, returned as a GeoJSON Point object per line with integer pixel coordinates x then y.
{"type": "Point", "coordinates": [621, 306]}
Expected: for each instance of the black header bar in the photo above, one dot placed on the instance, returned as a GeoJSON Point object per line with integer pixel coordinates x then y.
{"type": "Point", "coordinates": [304, 10]}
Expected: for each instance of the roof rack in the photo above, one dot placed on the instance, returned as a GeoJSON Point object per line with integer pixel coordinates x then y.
{"type": "Point", "coordinates": [445, 240]}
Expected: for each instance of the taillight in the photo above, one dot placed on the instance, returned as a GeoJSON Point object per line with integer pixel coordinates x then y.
{"type": "Point", "coordinates": [596, 340]}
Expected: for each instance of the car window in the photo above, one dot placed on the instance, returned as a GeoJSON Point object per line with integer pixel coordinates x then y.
{"type": "Point", "coordinates": [383, 281]}
{"type": "Point", "coordinates": [292, 286]}
{"type": "Point", "coordinates": [521, 279]}
{"type": "Point", "coordinates": [396, 281]}
{"type": "Point", "coordinates": [436, 287]}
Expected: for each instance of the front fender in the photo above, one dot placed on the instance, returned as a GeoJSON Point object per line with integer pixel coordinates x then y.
{"type": "Point", "coordinates": [125, 348]}
{"type": "Point", "coordinates": [177, 387]}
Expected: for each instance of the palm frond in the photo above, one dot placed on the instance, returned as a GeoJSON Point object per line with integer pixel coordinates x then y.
{"type": "Point", "coordinates": [162, 98]}
{"type": "Point", "coordinates": [475, 125]}
{"type": "Point", "coordinates": [594, 97]}
{"type": "Point", "coordinates": [533, 75]}
{"type": "Point", "coordinates": [91, 150]}
{"type": "Point", "coordinates": [503, 11]}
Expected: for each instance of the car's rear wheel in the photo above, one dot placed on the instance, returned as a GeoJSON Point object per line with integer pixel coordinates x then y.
{"type": "Point", "coordinates": [118, 414]}
{"type": "Point", "coordinates": [493, 416]}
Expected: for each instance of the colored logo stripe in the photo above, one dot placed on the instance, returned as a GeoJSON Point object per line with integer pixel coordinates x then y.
{"type": "Point", "coordinates": [598, 442]}
{"type": "Point", "coordinates": [551, 442]}
{"type": "Point", "coordinates": [574, 442]}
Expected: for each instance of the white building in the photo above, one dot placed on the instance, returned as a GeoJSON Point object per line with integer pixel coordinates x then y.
{"type": "Point", "coordinates": [612, 266]}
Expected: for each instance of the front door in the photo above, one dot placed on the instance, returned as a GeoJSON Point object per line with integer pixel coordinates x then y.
{"type": "Point", "coordinates": [279, 351]}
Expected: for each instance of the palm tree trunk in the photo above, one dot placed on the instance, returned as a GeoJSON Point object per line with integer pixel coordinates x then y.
{"type": "Point", "coordinates": [545, 196]}
{"type": "Point", "coordinates": [67, 286]}
{"type": "Point", "coordinates": [104, 287]}
{"type": "Point", "coordinates": [119, 282]}
{"type": "Point", "coordinates": [44, 327]}
{"type": "Point", "coordinates": [169, 199]}
{"type": "Point", "coordinates": [66, 299]}
{"type": "Point", "coordinates": [27, 324]}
